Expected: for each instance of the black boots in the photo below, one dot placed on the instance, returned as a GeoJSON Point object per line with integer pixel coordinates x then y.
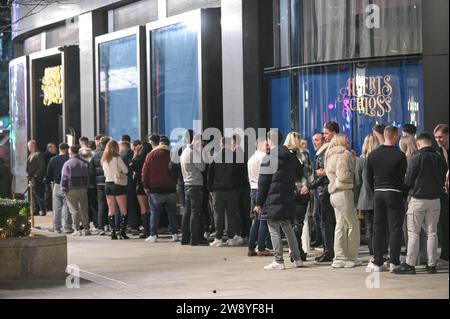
{"type": "Point", "coordinates": [146, 224]}
{"type": "Point", "coordinates": [112, 225]}
{"type": "Point", "coordinates": [123, 227]}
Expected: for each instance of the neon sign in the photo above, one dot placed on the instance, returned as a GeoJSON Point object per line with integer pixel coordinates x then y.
{"type": "Point", "coordinates": [370, 96]}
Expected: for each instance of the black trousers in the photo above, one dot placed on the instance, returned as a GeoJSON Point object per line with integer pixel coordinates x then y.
{"type": "Point", "coordinates": [443, 224]}
{"type": "Point", "coordinates": [317, 230]}
{"type": "Point", "coordinates": [190, 224]}
{"type": "Point", "coordinates": [134, 216]}
{"type": "Point", "coordinates": [93, 206]}
{"type": "Point", "coordinates": [38, 194]}
{"type": "Point", "coordinates": [328, 224]}
{"type": "Point", "coordinates": [300, 213]}
{"type": "Point", "coordinates": [102, 205]}
{"type": "Point", "coordinates": [388, 216]}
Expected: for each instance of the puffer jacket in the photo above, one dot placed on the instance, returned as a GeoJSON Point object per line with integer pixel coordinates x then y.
{"type": "Point", "coordinates": [320, 182]}
{"type": "Point", "coordinates": [340, 169]}
{"type": "Point", "coordinates": [276, 189]}
{"type": "Point", "coordinates": [95, 168]}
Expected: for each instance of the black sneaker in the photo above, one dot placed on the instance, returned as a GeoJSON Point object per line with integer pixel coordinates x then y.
{"type": "Point", "coordinates": [324, 258]}
{"type": "Point", "coordinates": [405, 269]}
{"type": "Point", "coordinates": [431, 269]}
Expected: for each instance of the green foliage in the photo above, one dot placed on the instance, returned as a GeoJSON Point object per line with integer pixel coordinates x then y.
{"type": "Point", "coordinates": [14, 218]}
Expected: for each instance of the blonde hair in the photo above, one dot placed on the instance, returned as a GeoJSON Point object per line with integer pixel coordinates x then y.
{"type": "Point", "coordinates": [339, 140]}
{"type": "Point", "coordinates": [111, 150]}
{"type": "Point", "coordinates": [408, 146]}
{"type": "Point", "coordinates": [292, 141]}
{"type": "Point", "coordinates": [303, 143]}
{"type": "Point", "coordinates": [370, 143]}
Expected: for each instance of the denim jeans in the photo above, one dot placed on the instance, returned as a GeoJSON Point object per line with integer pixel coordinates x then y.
{"type": "Point", "coordinates": [60, 206]}
{"type": "Point", "coordinates": [259, 231]}
{"type": "Point", "coordinates": [388, 215]}
{"type": "Point", "coordinates": [275, 227]}
{"type": "Point", "coordinates": [159, 203]}
{"type": "Point", "coordinates": [192, 215]}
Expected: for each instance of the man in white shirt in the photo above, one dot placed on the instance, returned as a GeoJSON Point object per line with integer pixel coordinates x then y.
{"type": "Point", "coordinates": [259, 232]}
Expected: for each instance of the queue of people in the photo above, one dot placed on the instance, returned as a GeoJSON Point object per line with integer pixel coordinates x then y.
{"type": "Point", "coordinates": [119, 188]}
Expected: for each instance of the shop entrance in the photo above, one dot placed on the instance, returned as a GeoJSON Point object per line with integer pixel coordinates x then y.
{"type": "Point", "coordinates": [48, 111]}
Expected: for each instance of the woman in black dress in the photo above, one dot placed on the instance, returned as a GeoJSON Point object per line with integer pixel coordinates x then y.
{"type": "Point", "coordinates": [136, 165]}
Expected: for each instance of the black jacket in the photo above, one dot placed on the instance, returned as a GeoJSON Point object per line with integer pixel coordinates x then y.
{"type": "Point", "coordinates": [221, 176]}
{"type": "Point", "coordinates": [320, 182]}
{"type": "Point", "coordinates": [240, 172]}
{"type": "Point", "coordinates": [425, 176]}
{"type": "Point", "coordinates": [276, 189]}
{"type": "Point", "coordinates": [96, 171]}
{"type": "Point", "coordinates": [36, 166]}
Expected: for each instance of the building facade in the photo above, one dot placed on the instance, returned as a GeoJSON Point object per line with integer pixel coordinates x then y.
{"type": "Point", "coordinates": [152, 66]}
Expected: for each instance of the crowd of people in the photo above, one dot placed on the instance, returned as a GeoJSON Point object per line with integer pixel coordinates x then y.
{"type": "Point", "coordinates": [122, 188]}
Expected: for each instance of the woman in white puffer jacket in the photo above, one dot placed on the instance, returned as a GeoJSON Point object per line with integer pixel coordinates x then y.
{"type": "Point", "coordinates": [340, 170]}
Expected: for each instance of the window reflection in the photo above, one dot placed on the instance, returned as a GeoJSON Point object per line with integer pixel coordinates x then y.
{"type": "Point", "coordinates": [119, 83]}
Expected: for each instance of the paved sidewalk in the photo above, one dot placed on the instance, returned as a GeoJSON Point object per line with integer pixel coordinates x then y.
{"type": "Point", "coordinates": [135, 269]}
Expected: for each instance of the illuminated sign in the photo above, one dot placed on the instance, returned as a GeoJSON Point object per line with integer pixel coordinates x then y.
{"type": "Point", "coordinates": [51, 85]}
{"type": "Point", "coordinates": [370, 96]}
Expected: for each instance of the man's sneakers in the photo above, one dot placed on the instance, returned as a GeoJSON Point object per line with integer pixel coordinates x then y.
{"type": "Point", "coordinates": [174, 237]}
{"type": "Point", "coordinates": [298, 263]}
{"type": "Point", "coordinates": [324, 258]}
{"type": "Point", "coordinates": [274, 265]}
{"type": "Point", "coordinates": [431, 269]}
{"type": "Point", "coordinates": [152, 239]}
{"type": "Point", "coordinates": [404, 269]}
{"type": "Point", "coordinates": [217, 243]}
{"type": "Point", "coordinates": [264, 253]}
{"type": "Point", "coordinates": [338, 263]}
{"type": "Point", "coordinates": [352, 263]}
{"type": "Point", "coordinates": [252, 253]}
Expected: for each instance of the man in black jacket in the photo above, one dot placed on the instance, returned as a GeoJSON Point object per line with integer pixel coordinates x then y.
{"type": "Point", "coordinates": [98, 177]}
{"type": "Point", "coordinates": [386, 168]}
{"type": "Point", "coordinates": [441, 137]}
{"type": "Point", "coordinates": [275, 199]}
{"type": "Point", "coordinates": [425, 179]}
{"type": "Point", "coordinates": [320, 183]}
{"type": "Point", "coordinates": [222, 182]}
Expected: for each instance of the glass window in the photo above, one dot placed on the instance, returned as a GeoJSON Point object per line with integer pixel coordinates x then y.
{"type": "Point", "coordinates": [324, 30]}
{"type": "Point", "coordinates": [175, 77]}
{"type": "Point", "coordinates": [279, 103]}
{"type": "Point", "coordinates": [19, 136]}
{"type": "Point", "coordinates": [119, 85]}
{"type": "Point", "coordinates": [357, 96]}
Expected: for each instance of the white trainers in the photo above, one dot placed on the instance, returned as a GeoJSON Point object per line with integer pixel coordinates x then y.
{"type": "Point", "coordinates": [151, 239]}
{"type": "Point", "coordinates": [393, 267]}
{"type": "Point", "coordinates": [217, 243]}
{"type": "Point", "coordinates": [274, 265]}
{"type": "Point", "coordinates": [370, 266]}
{"type": "Point", "coordinates": [175, 237]}
{"type": "Point", "coordinates": [76, 233]}
{"type": "Point", "coordinates": [232, 242]}
{"type": "Point", "coordinates": [337, 263]}
{"type": "Point", "coordinates": [298, 263]}
{"type": "Point", "coordinates": [239, 240]}
{"type": "Point", "coordinates": [352, 263]}
{"type": "Point", "coordinates": [86, 232]}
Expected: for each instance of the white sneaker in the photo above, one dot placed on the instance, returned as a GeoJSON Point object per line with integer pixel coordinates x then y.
{"type": "Point", "coordinates": [392, 267]}
{"type": "Point", "coordinates": [217, 243]}
{"type": "Point", "coordinates": [274, 265]}
{"type": "Point", "coordinates": [337, 263]}
{"type": "Point", "coordinates": [151, 239]}
{"type": "Point", "coordinates": [352, 263]}
{"type": "Point", "coordinates": [175, 237]}
{"type": "Point", "coordinates": [239, 240]}
{"type": "Point", "coordinates": [232, 242]}
{"type": "Point", "coordinates": [298, 263]}
{"type": "Point", "coordinates": [370, 266]}
{"type": "Point", "coordinates": [76, 233]}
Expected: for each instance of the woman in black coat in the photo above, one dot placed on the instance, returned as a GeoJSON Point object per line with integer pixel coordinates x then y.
{"type": "Point", "coordinates": [136, 165]}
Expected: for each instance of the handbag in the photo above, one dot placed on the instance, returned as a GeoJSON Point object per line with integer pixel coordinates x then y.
{"type": "Point", "coordinates": [120, 178]}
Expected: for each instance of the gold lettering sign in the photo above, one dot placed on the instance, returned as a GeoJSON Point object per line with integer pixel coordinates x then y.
{"type": "Point", "coordinates": [370, 96]}
{"type": "Point", "coordinates": [51, 85]}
